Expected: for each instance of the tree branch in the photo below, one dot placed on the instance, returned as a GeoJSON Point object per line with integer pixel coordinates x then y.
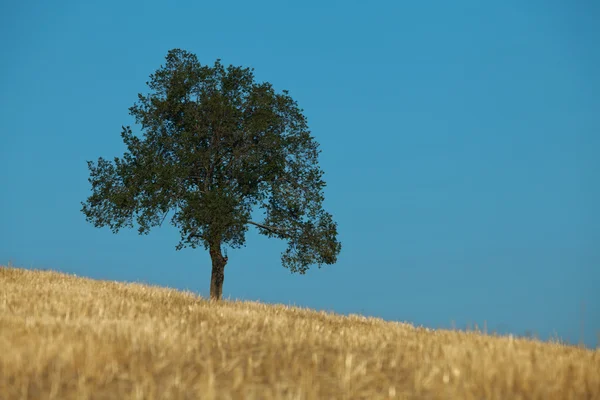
{"type": "Point", "coordinates": [193, 234]}
{"type": "Point", "coordinates": [163, 218]}
{"type": "Point", "coordinates": [269, 228]}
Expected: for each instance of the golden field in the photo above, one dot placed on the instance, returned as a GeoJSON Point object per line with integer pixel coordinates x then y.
{"type": "Point", "coordinates": [65, 337]}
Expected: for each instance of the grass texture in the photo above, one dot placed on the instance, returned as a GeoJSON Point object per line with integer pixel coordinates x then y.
{"type": "Point", "coordinates": [66, 337]}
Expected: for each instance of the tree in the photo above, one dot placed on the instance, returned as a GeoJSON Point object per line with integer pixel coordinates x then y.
{"type": "Point", "coordinates": [216, 146]}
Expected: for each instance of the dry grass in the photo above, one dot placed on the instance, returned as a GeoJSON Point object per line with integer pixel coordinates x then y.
{"type": "Point", "coordinates": [64, 337]}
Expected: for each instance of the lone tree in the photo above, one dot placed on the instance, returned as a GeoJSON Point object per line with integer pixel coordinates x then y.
{"type": "Point", "coordinates": [215, 146]}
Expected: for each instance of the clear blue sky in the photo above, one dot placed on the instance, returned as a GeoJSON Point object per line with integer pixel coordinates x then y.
{"type": "Point", "coordinates": [460, 143]}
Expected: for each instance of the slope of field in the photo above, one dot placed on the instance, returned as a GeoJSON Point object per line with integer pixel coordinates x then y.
{"type": "Point", "coordinates": [64, 337]}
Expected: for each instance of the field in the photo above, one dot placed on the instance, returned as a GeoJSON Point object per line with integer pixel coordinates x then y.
{"type": "Point", "coordinates": [66, 337]}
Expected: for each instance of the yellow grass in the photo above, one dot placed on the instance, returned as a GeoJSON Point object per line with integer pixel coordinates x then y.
{"type": "Point", "coordinates": [64, 337]}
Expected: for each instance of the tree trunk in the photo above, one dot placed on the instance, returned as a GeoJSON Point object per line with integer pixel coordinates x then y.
{"type": "Point", "coordinates": [218, 272]}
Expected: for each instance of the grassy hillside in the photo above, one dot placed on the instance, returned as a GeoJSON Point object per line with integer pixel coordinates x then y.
{"type": "Point", "coordinates": [65, 337]}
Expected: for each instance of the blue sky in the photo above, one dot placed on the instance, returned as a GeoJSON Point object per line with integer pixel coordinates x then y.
{"type": "Point", "coordinates": [459, 139]}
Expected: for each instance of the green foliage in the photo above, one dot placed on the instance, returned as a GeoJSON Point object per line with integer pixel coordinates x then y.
{"type": "Point", "coordinates": [215, 146]}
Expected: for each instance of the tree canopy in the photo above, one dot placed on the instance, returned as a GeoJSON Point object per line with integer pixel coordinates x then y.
{"type": "Point", "coordinates": [216, 146]}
